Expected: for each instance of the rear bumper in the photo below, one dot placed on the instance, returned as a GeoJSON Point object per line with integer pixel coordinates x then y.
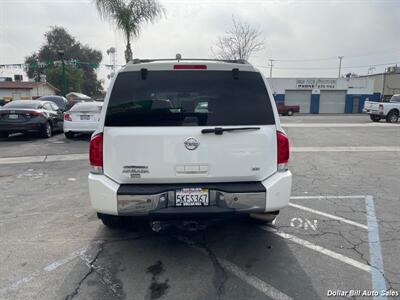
{"type": "Point", "coordinates": [157, 200]}
{"type": "Point", "coordinates": [80, 126]}
{"type": "Point", "coordinates": [27, 127]}
{"type": "Point", "coordinates": [373, 112]}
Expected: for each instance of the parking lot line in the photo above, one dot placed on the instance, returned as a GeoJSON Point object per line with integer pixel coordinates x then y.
{"type": "Point", "coordinates": [43, 158]}
{"type": "Point", "coordinates": [49, 268]}
{"type": "Point", "coordinates": [251, 280]}
{"type": "Point", "coordinates": [255, 282]}
{"type": "Point", "coordinates": [375, 252]}
{"type": "Point", "coordinates": [314, 211]}
{"type": "Point", "coordinates": [320, 249]}
{"type": "Point", "coordinates": [328, 197]}
{"type": "Point", "coordinates": [22, 159]}
{"type": "Point", "coordinates": [347, 149]}
{"type": "Point", "coordinates": [65, 157]}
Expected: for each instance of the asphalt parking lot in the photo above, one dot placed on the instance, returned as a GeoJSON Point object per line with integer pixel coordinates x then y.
{"type": "Point", "coordinates": [340, 232]}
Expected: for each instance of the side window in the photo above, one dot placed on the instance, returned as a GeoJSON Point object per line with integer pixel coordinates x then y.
{"type": "Point", "coordinates": [47, 106]}
{"type": "Point", "coordinates": [54, 106]}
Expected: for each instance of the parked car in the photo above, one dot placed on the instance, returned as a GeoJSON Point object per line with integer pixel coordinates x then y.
{"type": "Point", "coordinates": [188, 140]}
{"type": "Point", "coordinates": [384, 110]}
{"type": "Point", "coordinates": [82, 118]}
{"type": "Point", "coordinates": [60, 101]}
{"type": "Point", "coordinates": [287, 110]}
{"type": "Point", "coordinates": [75, 97]}
{"type": "Point", "coordinates": [30, 116]}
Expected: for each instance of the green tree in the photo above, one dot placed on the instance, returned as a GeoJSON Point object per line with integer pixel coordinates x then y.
{"type": "Point", "coordinates": [129, 17]}
{"type": "Point", "coordinates": [59, 39]}
{"type": "Point", "coordinates": [75, 77]}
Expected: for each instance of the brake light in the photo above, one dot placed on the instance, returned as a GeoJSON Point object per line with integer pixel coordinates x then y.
{"type": "Point", "coordinates": [283, 150]}
{"type": "Point", "coordinates": [67, 117]}
{"type": "Point", "coordinates": [96, 154]}
{"type": "Point", "coordinates": [190, 67]}
{"type": "Point", "coordinates": [34, 113]}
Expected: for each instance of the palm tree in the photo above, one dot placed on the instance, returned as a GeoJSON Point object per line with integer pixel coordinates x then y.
{"type": "Point", "coordinates": [129, 16]}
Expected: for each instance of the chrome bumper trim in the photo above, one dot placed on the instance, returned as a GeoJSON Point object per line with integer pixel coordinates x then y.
{"type": "Point", "coordinates": [137, 205]}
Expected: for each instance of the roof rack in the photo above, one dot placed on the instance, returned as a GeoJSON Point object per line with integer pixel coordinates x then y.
{"type": "Point", "coordinates": [234, 61]}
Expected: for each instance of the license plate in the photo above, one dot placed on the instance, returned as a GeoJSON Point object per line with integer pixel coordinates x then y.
{"type": "Point", "coordinates": [191, 197]}
{"type": "Point", "coordinates": [85, 117]}
{"type": "Point", "coordinates": [13, 116]}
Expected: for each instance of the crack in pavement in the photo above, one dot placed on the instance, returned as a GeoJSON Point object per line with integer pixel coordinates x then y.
{"type": "Point", "coordinates": [90, 265]}
{"type": "Point", "coordinates": [221, 276]}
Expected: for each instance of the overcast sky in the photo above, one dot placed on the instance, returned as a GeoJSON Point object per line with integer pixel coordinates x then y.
{"type": "Point", "coordinates": [365, 32]}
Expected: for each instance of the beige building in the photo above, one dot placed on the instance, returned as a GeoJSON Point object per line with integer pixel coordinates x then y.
{"type": "Point", "coordinates": [386, 84]}
{"type": "Point", "coordinates": [23, 90]}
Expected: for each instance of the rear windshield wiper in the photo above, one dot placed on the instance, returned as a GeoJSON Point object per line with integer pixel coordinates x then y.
{"type": "Point", "coordinates": [220, 130]}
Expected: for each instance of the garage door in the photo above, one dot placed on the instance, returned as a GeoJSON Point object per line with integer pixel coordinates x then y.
{"type": "Point", "coordinates": [301, 98]}
{"type": "Point", "coordinates": [332, 102]}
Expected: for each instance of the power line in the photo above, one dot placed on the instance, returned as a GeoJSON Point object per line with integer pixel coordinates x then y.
{"type": "Point", "coordinates": [394, 51]}
{"type": "Point", "coordinates": [330, 68]}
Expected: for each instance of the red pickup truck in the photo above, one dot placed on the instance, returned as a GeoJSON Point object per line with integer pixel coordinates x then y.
{"type": "Point", "coordinates": [287, 110]}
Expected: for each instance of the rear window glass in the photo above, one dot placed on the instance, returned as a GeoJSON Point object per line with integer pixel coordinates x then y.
{"type": "Point", "coordinates": [22, 104]}
{"type": "Point", "coordinates": [86, 107]}
{"type": "Point", "coordinates": [189, 98]}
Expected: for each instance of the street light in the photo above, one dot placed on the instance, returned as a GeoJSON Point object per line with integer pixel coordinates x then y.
{"type": "Point", "coordinates": [64, 85]}
{"type": "Point", "coordinates": [340, 64]}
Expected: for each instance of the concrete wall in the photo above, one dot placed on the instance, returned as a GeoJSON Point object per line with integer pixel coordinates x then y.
{"type": "Point", "coordinates": [16, 94]}
{"type": "Point", "coordinates": [42, 90]}
{"type": "Point", "coordinates": [356, 85]}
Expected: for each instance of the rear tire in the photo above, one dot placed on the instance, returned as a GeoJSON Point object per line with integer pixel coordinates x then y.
{"type": "Point", "coordinates": [375, 118]}
{"type": "Point", "coordinates": [69, 135]}
{"type": "Point", "coordinates": [47, 131]}
{"type": "Point", "coordinates": [290, 112]}
{"type": "Point", "coordinates": [392, 117]}
{"type": "Point", "coordinates": [110, 220]}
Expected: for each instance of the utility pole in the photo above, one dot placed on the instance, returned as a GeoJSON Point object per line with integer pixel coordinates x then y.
{"type": "Point", "coordinates": [112, 53]}
{"type": "Point", "coordinates": [340, 65]}
{"type": "Point", "coordinates": [61, 55]}
{"type": "Point", "coordinates": [270, 67]}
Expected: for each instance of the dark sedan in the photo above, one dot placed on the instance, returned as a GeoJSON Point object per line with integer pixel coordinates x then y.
{"type": "Point", "coordinates": [60, 101]}
{"type": "Point", "coordinates": [30, 116]}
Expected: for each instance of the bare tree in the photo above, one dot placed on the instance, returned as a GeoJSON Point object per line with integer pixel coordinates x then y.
{"type": "Point", "coordinates": [239, 42]}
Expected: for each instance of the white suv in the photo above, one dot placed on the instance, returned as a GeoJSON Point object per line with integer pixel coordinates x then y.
{"type": "Point", "coordinates": [188, 139]}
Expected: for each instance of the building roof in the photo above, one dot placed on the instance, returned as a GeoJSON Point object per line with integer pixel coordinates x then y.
{"type": "Point", "coordinates": [78, 95]}
{"type": "Point", "coordinates": [24, 85]}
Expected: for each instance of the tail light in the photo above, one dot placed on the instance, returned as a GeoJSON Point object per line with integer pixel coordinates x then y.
{"type": "Point", "coordinates": [380, 107]}
{"type": "Point", "coordinates": [33, 114]}
{"type": "Point", "coordinates": [283, 150]}
{"type": "Point", "coordinates": [67, 117]}
{"type": "Point", "coordinates": [96, 154]}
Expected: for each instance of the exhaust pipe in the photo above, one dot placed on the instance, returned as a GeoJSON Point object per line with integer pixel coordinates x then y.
{"type": "Point", "coordinates": [156, 226]}
{"type": "Point", "coordinates": [268, 218]}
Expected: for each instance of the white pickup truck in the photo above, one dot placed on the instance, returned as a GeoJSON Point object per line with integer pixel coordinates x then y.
{"type": "Point", "coordinates": [384, 110]}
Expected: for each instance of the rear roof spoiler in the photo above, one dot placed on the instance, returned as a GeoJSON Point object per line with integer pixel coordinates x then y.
{"type": "Point", "coordinates": [147, 60]}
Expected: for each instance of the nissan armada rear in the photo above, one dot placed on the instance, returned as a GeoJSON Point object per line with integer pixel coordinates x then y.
{"type": "Point", "coordinates": [188, 139]}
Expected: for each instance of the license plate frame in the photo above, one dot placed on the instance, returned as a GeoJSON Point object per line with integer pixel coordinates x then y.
{"type": "Point", "coordinates": [192, 197]}
{"type": "Point", "coordinates": [85, 117]}
{"type": "Point", "coordinates": [13, 116]}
